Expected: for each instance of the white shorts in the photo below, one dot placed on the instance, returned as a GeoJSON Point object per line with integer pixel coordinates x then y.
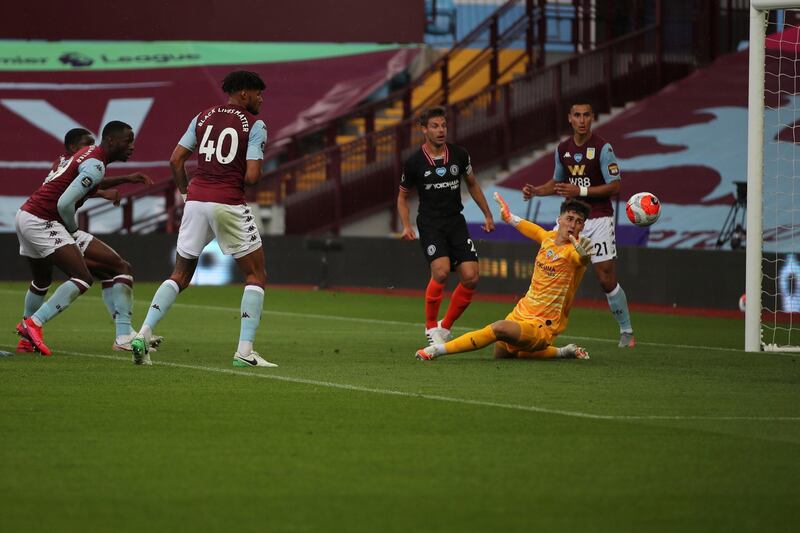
{"type": "Point", "coordinates": [39, 238]}
{"type": "Point", "coordinates": [82, 239]}
{"type": "Point", "coordinates": [233, 225]}
{"type": "Point", "coordinates": [601, 231]}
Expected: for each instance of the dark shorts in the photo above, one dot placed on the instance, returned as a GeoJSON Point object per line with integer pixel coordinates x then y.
{"type": "Point", "coordinates": [446, 237]}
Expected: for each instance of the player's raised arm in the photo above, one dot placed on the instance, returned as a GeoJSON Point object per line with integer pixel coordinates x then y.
{"type": "Point", "coordinates": [476, 192]}
{"type": "Point", "coordinates": [546, 189]}
{"type": "Point", "coordinates": [529, 229]}
{"type": "Point", "coordinates": [583, 247]}
{"type": "Point", "coordinates": [112, 195]}
{"type": "Point", "coordinates": [114, 181]}
{"type": "Point", "coordinates": [549, 187]}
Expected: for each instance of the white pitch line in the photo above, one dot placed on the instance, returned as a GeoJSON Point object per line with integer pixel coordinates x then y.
{"type": "Point", "coordinates": [381, 322]}
{"type": "Point", "coordinates": [419, 324]}
{"type": "Point", "coordinates": [464, 401]}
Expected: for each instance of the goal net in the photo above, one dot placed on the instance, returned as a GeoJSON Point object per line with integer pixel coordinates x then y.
{"type": "Point", "coordinates": [772, 314]}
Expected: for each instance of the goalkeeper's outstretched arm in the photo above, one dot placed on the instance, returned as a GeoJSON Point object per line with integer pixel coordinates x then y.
{"type": "Point", "coordinates": [527, 228]}
{"type": "Point", "coordinates": [583, 246]}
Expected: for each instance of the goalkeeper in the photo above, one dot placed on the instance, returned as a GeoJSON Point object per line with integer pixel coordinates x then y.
{"type": "Point", "coordinates": [530, 330]}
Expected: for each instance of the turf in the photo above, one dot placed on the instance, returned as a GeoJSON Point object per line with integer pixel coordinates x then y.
{"type": "Point", "coordinates": [350, 433]}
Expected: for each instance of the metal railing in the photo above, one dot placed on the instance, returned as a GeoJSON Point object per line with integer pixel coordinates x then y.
{"type": "Point", "coordinates": [512, 21]}
{"type": "Point", "coordinates": [322, 191]}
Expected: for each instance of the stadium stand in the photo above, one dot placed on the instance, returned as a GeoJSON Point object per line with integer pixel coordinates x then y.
{"type": "Point", "coordinates": [685, 144]}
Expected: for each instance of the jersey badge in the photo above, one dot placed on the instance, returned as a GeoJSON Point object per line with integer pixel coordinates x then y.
{"type": "Point", "coordinates": [427, 173]}
{"type": "Point", "coordinates": [441, 171]}
{"type": "Point", "coordinates": [613, 169]}
{"type": "Point", "coordinates": [454, 170]}
{"type": "Point", "coordinates": [431, 249]}
{"type": "Point", "coordinates": [567, 155]}
{"type": "Point", "coordinates": [86, 182]}
{"type": "Point", "coordinates": [578, 158]}
{"type": "Point", "coordinates": [590, 153]}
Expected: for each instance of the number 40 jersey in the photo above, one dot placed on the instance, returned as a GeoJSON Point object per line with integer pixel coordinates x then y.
{"type": "Point", "coordinates": [225, 137]}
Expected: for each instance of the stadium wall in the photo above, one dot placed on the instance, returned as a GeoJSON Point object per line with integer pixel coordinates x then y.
{"type": "Point", "coordinates": [681, 278]}
{"type": "Point", "coordinates": [374, 21]}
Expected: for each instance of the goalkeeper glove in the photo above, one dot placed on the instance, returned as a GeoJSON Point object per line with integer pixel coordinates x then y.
{"type": "Point", "coordinates": [505, 214]}
{"type": "Point", "coordinates": [583, 245]}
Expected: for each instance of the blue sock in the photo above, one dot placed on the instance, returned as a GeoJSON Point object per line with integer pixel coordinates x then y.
{"type": "Point", "coordinates": [108, 295]}
{"type": "Point", "coordinates": [65, 294]}
{"type": "Point", "coordinates": [122, 294]}
{"type": "Point", "coordinates": [618, 303]}
{"type": "Point", "coordinates": [162, 301]}
{"type": "Point", "coordinates": [252, 303]}
{"type": "Point", "coordinates": [34, 299]}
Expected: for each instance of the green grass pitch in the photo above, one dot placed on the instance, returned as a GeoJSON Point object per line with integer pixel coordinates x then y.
{"type": "Point", "coordinates": [351, 433]}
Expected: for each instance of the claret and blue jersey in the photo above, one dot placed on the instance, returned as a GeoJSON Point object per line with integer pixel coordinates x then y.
{"type": "Point", "coordinates": [228, 136]}
{"type": "Point", "coordinates": [67, 185]}
{"type": "Point", "coordinates": [593, 163]}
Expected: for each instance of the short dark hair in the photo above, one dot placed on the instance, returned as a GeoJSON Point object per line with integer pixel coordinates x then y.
{"type": "Point", "coordinates": [242, 80]}
{"type": "Point", "coordinates": [115, 127]}
{"type": "Point", "coordinates": [581, 102]}
{"type": "Point", "coordinates": [74, 135]}
{"type": "Point", "coordinates": [571, 204]}
{"type": "Point", "coordinates": [430, 113]}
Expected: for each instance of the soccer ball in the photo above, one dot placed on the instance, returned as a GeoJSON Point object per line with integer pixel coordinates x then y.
{"type": "Point", "coordinates": [643, 208]}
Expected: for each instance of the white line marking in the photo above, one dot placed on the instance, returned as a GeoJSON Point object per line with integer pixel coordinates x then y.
{"type": "Point", "coordinates": [422, 325]}
{"type": "Point", "coordinates": [417, 324]}
{"type": "Point", "coordinates": [435, 397]}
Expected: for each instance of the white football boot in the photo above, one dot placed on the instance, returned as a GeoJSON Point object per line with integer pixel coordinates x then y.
{"type": "Point", "coordinates": [438, 335]}
{"type": "Point", "coordinates": [254, 359]}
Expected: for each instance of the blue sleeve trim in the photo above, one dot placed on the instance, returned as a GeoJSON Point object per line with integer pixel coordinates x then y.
{"type": "Point", "coordinates": [257, 141]}
{"type": "Point", "coordinates": [189, 138]}
{"type": "Point", "coordinates": [608, 164]}
{"type": "Point", "coordinates": [558, 172]}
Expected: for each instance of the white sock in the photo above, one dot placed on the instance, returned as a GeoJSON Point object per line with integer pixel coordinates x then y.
{"type": "Point", "coordinates": [146, 332]}
{"type": "Point", "coordinates": [437, 349]}
{"type": "Point", "coordinates": [245, 348]}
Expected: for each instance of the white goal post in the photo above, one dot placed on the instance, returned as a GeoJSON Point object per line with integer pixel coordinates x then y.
{"type": "Point", "coordinates": [779, 335]}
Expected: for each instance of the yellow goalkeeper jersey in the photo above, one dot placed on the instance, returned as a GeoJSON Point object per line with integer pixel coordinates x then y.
{"type": "Point", "coordinates": [557, 272]}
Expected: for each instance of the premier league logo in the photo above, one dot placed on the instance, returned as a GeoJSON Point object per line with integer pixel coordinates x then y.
{"type": "Point", "coordinates": [76, 59]}
{"type": "Point", "coordinates": [441, 171]}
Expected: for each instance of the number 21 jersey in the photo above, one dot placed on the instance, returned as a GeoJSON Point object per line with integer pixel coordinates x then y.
{"type": "Point", "coordinates": [225, 136]}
